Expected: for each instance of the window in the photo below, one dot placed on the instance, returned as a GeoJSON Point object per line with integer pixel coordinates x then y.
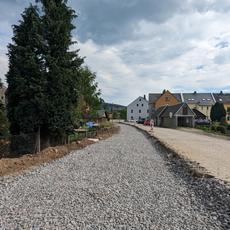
{"type": "Point", "coordinates": [207, 107]}
{"type": "Point", "coordinates": [139, 111]}
{"type": "Point", "coordinates": [166, 98]}
{"type": "Point", "coordinates": [185, 110]}
{"type": "Point", "coordinates": [147, 111]}
{"type": "Point", "coordinates": [228, 118]}
{"type": "Point", "coordinates": [131, 117]}
{"type": "Point", "coordinates": [140, 99]}
{"type": "Point", "coordinates": [142, 105]}
{"type": "Point", "coordinates": [131, 110]}
{"type": "Point", "coordinates": [137, 105]}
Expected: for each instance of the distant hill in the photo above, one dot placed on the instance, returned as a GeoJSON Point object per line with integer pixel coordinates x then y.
{"type": "Point", "coordinates": [110, 107]}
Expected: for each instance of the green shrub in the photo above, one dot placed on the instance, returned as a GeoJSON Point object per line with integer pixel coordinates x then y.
{"type": "Point", "coordinates": [221, 129]}
{"type": "Point", "coordinates": [213, 128]}
{"type": "Point", "coordinates": [106, 124]}
{"type": "Point", "coordinates": [205, 128]}
{"type": "Point", "coordinates": [223, 121]}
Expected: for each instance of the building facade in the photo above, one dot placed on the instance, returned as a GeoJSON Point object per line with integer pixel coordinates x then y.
{"type": "Point", "coordinates": [174, 116]}
{"type": "Point", "coordinates": [138, 109]}
{"type": "Point", "coordinates": [157, 100]}
{"type": "Point", "coordinates": [202, 102]}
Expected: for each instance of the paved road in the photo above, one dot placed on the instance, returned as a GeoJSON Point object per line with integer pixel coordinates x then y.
{"type": "Point", "coordinates": [119, 183]}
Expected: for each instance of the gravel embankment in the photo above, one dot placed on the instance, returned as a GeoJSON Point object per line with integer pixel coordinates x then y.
{"type": "Point", "coordinates": [121, 183]}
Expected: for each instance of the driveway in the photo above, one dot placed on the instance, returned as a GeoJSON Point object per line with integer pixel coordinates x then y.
{"type": "Point", "coordinates": [121, 183]}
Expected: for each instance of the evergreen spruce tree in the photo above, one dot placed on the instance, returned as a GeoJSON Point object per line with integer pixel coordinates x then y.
{"type": "Point", "coordinates": [26, 81]}
{"type": "Point", "coordinates": [61, 66]}
{"type": "Point", "coordinates": [218, 112]}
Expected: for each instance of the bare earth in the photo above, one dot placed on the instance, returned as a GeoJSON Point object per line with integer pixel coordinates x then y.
{"type": "Point", "coordinates": [14, 165]}
{"type": "Point", "coordinates": [212, 153]}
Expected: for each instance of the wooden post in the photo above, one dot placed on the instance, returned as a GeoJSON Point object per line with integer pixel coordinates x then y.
{"type": "Point", "coordinates": [39, 140]}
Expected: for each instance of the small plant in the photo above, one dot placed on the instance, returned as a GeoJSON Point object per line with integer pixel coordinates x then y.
{"type": "Point", "coordinates": [213, 128]}
{"type": "Point", "coordinates": [106, 124]}
{"type": "Point", "coordinates": [223, 121]}
{"type": "Point", "coordinates": [221, 129]}
{"type": "Point", "coordinates": [205, 128]}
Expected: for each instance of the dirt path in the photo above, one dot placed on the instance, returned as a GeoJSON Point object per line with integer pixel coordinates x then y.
{"type": "Point", "coordinates": [210, 152]}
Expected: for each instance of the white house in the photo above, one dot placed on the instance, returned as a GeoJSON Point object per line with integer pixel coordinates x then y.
{"type": "Point", "coordinates": [137, 109]}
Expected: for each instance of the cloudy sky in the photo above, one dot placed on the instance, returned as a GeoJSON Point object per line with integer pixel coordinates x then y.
{"type": "Point", "coordinates": [142, 46]}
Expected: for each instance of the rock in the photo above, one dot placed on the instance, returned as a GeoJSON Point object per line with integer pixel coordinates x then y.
{"type": "Point", "coordinates": [93, 139]}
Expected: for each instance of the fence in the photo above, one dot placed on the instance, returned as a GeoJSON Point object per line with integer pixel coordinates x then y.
{"type": "Point", "coordinates": [4, 148]}
{"type": "Point", "coordinates": [79, 135]}
{"type": "Point", "coordinates": [31, 143]}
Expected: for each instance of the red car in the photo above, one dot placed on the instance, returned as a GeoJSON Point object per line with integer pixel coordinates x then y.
{"type": "Point", "coordinates": [147, 122]}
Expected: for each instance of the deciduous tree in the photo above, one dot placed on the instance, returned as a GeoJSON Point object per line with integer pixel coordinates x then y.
{"type": "Point", "coordinates": [89, 101]}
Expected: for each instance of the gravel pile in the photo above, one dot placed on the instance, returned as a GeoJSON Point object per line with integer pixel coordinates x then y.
{"type": "Point", "coordinates": [121, 183]}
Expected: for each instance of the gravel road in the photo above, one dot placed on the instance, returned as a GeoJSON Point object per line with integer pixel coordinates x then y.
{"type": "Point", "coordinates": [121, 183]}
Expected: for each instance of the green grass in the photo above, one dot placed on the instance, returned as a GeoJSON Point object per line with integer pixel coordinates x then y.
{"type": "Point", "coordinates": [215, 128]}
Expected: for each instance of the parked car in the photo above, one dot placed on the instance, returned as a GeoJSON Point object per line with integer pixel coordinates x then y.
{"type": "Point", "coordinates": [202, 122]}
{"type": "Point", "coordinates": [147, 122]}
{"type": "Point", "coordinates": [141, 121]}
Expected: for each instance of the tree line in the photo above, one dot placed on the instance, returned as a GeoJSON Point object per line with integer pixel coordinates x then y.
{"type": "Point", "coordinates": [49, 89]}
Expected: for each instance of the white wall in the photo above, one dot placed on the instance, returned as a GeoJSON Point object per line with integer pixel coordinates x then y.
{"type": "Point", "coordinates": [138, 108]}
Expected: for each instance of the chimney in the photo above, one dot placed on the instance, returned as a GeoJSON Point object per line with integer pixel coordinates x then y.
{"type": "Point", "coordinates": [195, 92]}
{"type": "Point", "coordinates": [144, 97]}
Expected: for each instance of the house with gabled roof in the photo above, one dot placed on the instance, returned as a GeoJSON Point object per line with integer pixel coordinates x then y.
{"type": "Point", "coordinates": [138, 109]}
{"type": "Point", "coordinates": [157, 100]}
{"type": "Point", "coordinates": [173, 116]}
{"type": "Point", "coordinates": [202, 102]}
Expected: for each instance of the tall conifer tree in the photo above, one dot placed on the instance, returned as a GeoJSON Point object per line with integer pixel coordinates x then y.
{"type": "Point", "coordinates": [61, 65]}
{"type": "Point", "coordinates": [26, 81]}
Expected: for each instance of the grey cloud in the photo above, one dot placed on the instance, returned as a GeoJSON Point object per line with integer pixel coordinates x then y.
{"type": "Point", "coordinates": [200, 67]}
{"type": "Point", "coordinates": [111, 21]}
{"type": "Point", "coordinates": [222, 58]}
{"type": "Point", "coordinates": [222, 44]}
{"type": "Point", "coordinates": [12, 9]}
{"type": "Point", "coordinates": [215, 5]}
